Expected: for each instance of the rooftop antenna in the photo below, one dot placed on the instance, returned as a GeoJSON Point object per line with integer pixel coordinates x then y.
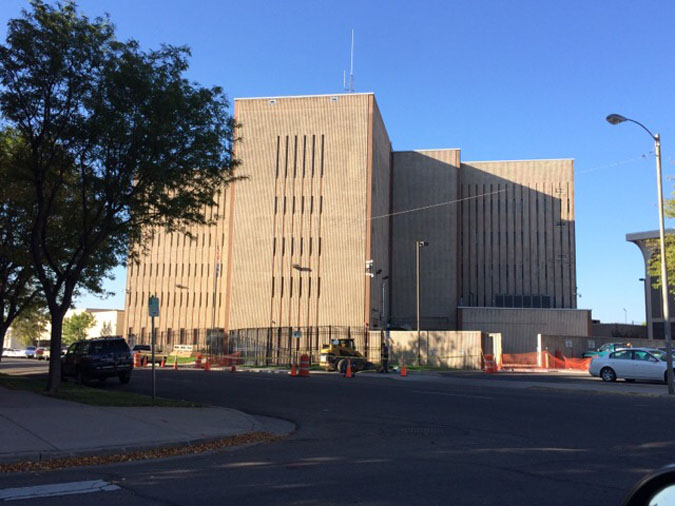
{"type": "Point", "coordinates": [350, 89]}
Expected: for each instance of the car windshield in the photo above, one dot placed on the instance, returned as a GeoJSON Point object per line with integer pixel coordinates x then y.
{"type": "Point", "coordinates": [661, 355]}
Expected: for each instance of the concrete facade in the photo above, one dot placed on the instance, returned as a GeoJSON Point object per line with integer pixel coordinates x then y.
{"type": "Point", "coordinates": [322, 231]}
{"type": "Point", "coordinates": [519, 327]}
{"type": "Point", "coordinates": [648, 242]}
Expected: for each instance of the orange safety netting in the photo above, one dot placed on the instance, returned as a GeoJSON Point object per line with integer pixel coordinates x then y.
{"type": "Point", "coordinates": [229, 360]}
{"type": "Point", "coordinates": [547, 361]}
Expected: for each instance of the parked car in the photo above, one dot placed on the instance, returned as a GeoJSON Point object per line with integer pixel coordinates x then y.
{"type": "Point", "coordinates": [605, 350]}
{"type": "Point", "coordinates": [29, 352]}
{"type": "Point", "coordinates": [13, 352]}
{"type": "Point", "coordinates": [631, 364]}
{"type": "Point", "coordinates": [99, 358]}
{"type": "Point", "coordinates": [42, 353]}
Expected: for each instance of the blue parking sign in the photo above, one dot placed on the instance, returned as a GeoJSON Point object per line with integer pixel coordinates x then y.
{"type": "Point", "coordinates": [153, 306]}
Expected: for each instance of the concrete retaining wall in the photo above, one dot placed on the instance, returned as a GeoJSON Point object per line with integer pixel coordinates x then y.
{"type": "Point", "coordinates": [453, 349]}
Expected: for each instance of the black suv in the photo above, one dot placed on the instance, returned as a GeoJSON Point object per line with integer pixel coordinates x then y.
{"type": "Point", "coordinates": [99, 358]}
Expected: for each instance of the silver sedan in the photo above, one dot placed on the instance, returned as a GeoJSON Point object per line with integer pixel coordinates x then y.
{"type": "Point", "coordinates": [631, 364]}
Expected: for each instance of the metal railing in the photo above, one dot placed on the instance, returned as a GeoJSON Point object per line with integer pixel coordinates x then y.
{"type": "Point", "coordinates": [265, 346]}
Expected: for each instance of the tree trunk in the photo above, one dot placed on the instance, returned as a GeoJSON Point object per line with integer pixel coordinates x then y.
{"type": "Point", "coordinates": [3, 332]}
{"type": "Point", "coordinates": [55, 352]}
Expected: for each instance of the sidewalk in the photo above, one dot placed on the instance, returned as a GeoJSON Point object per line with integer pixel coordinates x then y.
{"type": "Point", "coordinates": [34, 426]}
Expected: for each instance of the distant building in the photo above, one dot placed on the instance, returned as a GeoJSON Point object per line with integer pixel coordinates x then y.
{"type": "Point", "coordinates": [107, 322]}
{"type": "Point", "coordinates": [653, 300]}
{"type": "Point", "coordinates": [323, 232]}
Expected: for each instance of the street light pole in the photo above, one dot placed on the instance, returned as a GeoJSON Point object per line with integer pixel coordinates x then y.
{"type": "Point", "coordinates": [615, 119]}
{"type": "Point", "coordinates": [383, 320]}
{"type": "Point", "coordinates": [418, 246]}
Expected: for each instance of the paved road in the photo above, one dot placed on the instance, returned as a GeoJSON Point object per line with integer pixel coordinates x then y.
{"type": "Point", "coordinates": [374, 440]}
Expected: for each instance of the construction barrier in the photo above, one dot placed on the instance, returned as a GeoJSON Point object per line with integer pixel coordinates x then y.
{"type": "Point", "coordinates": [198, 361]}
{"type": "Point", "coordinates": [543, 360]}
{"type": "Point", "coordinates": [137, 360]}
{"type": "Point", "coordinates": [490, 364]}
{"type": "Point", "coordinates": [293, 372]}
{"type": "Point", "coordinates": [304, 365]}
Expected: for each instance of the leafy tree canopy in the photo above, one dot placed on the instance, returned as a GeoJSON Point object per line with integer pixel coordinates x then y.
{"type": "Point", "coordinates": [31, 325]}
{"type": "Point", "coordinates": [77, 326]}
{"type": "Point", "coordinates": [119, 142]}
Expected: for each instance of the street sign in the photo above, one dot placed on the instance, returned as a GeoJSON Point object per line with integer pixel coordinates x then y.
{"type": "Point", "coordinates": [153, 306]}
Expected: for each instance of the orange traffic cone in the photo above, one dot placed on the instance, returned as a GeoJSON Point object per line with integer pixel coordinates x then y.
{"type": "Point", "coordinates": [403, 370]}
{"type": "Point", "coordinates": [348, 374]}
{"type": "Point", "coordinates": [175, 363]}
{"type": "Point", "coordinates": [207, 365]}
{"type": "Point", "coordinates": [293, 371]}
{"type": "Point", "coordinates": [163, 362]}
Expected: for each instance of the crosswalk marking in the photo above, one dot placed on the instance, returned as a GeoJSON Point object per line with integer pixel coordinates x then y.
{"type": "Point", "coordinates": [56, 489]}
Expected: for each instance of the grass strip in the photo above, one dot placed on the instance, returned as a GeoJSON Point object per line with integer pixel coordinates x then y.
{"type": "Point", "coordinates": [92, 396]}
{"type": "Point", "coordinates": [153, 453]}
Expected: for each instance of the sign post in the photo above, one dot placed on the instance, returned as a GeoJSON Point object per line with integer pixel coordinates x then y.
{"type": "Point", "coordinates": [153, 311]}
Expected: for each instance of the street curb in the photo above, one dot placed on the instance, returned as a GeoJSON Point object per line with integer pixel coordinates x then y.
{"type": "Point", "coordinates": [275, 428]}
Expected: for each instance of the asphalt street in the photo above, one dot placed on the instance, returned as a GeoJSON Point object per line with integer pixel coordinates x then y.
{"type": "Point", "coordinates": [376, 440]}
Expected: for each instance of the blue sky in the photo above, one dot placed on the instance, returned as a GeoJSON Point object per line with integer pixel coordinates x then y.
{"type": "Point", "coordinates": [500, 80]}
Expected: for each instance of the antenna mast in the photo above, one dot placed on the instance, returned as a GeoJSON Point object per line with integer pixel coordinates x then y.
{"type": "Point", "coordinates": [350, 89]}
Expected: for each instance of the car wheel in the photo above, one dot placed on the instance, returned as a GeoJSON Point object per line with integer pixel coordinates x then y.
{"type": "Point", "coordinates": [342, 366]}
{"type": "Point", "coordinates": [608, 374]}
{"type": "Point", "coordinates": [124, 378]}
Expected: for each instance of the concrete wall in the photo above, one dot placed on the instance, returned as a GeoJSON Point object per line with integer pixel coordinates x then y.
{"type": "Point", "coordinates": [180, 269]}
{"type": "Point", "coordinates": [107, 322]}
{"type": "Point", "coordinates": [519, 327]}
{"type": "Point", "coordinates": [453, 349]}
{"type": "Point", "coordinates": [305, 204]}
{"type": "Point", "coordinates": [620, 330]}
{"type": "Point", "coordinates": [380, 226]}
{"type": "Point", "coordinates": [421, 179]}
{"type": "Point", "coordinates": [517, 232]}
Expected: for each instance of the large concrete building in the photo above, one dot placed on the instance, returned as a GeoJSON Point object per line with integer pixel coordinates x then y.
{"type": "Point", "coordinates": [323, 231]}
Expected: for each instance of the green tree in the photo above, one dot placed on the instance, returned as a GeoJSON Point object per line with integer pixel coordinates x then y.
{"type": "Point", "coordinates": [31, 324]}
{"type": "Point", "coordinates": [18, 287]}
{"type": "Point", "coordinates": [76, 327]}
{"type": "Point", "coordinates": [121, 143]}
{"type": "Point", "coordinates": [654, 264]}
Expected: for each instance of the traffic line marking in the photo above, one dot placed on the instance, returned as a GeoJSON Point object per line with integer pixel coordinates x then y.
{"type": "Point", "coordinates": [449, 394]}
{"type": "Point", "coordinates": [56, 489]}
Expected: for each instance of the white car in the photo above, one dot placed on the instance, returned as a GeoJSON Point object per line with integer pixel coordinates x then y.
{"type": "Point", "coordinates": [631, 364]}
{"type": "Point", "coordinates": [13, 352]}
